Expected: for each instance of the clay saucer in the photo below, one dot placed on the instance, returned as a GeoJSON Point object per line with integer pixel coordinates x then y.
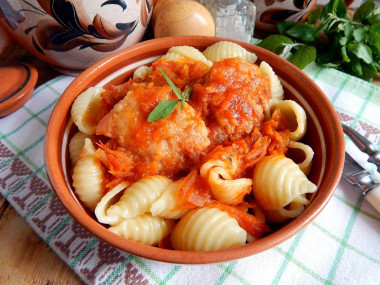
{"type": "Point", "coordinates": [17, 85]}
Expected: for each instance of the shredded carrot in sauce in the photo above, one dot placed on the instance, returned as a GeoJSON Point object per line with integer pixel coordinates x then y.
{"type": "Point", "coordinates": [223, 120]}
{"type": "Point", "coordinates": [194, 192]}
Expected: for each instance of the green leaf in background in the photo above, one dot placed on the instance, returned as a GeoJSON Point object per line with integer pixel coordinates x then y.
{"type": "Point", "coordinates": [343, 41]}
{"type": "Point", "coordinates": [377, 65]}
{"type": "Point", "coordinates": [275, 43]}
{"type": "Point", "coordinates": [162, 110]}
{"type": "Point", "coordinates": [352, 46]}
{"type": "Point", "coordinates": [302, 31]}
{"type": "Point", "coordinates": [359, 34]}
{"type": "Point", "coordinates": [374, 39]}
{"type": "Point", "coordinates": [375, 18]}
{"type": "Point", "coordinates": [336, 7]}
{"type": "Point", "coordinates": [348, 31]}
{"type": "Point", "coordinates": [314, 16]}
{"type": "Point", "coordinates": [369, 71]}
{"type": "Point", "coordinates": [364, 11]}
{"type": "Point", "coordinates": [284, 26]}
{"type": "Point", "coordinates": [345, 55]}
{"type": "Point", "coordinates": [362, 51]}
{"type": "Point", "coordinates": [303, 56]}
{"type": "Point", "coordinates": [356, 67]}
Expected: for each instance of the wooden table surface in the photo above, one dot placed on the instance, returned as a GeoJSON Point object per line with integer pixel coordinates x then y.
{"type": "Point", "coordinates": [24, 256]}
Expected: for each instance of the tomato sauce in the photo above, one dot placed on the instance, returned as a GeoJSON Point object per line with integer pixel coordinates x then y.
{"type": "Point", "coordinates": [226, 107]}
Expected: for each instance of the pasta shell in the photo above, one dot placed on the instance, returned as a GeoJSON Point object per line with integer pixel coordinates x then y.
{"type": "Point", "coordinates": [295, 115]}
{"type": "Point", "coordinates": [75, 146]}
{"type": "Point", "coordinates": [205, 229]}
{"type": "Point", "coordinates": [302, 154]}
{"type": "Point", "coordinates": [141, 72]}
{"type": "Point", "coordinates": [165, 205]}
{"type": "Point", "coordinates": [144, 229]}
{"type": "Point", "coordinates": [88, 176]}
{"type": "Point", "coordinates": [138, 198]}
{"type": "Point", "coordinates": [225, 49]}
{"type": "Point", "coordinates": [276, 89]}
{"type": "Point", "coordinates": [186, 52]}
{"type": "Point", "coordinates": [85, 102]}
{"type": "Point", "coordinates": [109, 199]}
{"type": "Point", "coordinates": [228, 191]}
{"type": "Point", "coordinates": [294, 209]}
{"type": "Point", "coordinates": [277, 181]}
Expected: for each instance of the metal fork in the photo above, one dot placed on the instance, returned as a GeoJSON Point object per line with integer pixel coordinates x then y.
{"type": "Point", "coordinates": [357, 175]}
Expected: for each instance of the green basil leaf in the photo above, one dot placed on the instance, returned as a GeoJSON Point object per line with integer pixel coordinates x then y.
{"type": "Point", "coordinates": [348, 31]}
{"type": "Point", "coordinates": [375, 28]}
{"type": "Point", "coordinates": [356, 67]}
{"type": "Point", "coordinates": [162, 110]}
{"type": "Point", "coordinates": [362, 51]}
{"type": "Point", "coordinates": [186, 94]}
{"type": "Point", "coordinates": [284, 26]}
{"type": "Point", "coordinates": [314, 16]}
{"type": "Point", "coordinates": [274, 42]}
{"type": "Point", "coordinates": [364, 11]}
{"type": "Point", "coordinates": [302, 31]}
{"type": "Point", "coordinates": [336, 7]}
{"type": "Point", "coordinates": [343, 41]}
{"type": "Point", "coordinates": [369, 71]}
{"type": "Point", "coordinates": [345, 55]}
{"type": "Point", "coordinates": [331, 64]}
{"type": "Point", "coordinates": [171, 84]}
{"type": "Point", "coordinates": [359, 34]}
{"type": "Point", "coordinates": [304, 56]}
{"type": "Point", "coordinates": [377, 65]}
{"type": "Point", "coordinates": [375, 19]}
{"type": "Point", "coordinates": [374, 40]}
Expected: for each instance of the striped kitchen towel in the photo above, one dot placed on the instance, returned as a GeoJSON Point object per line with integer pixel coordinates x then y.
{"type": "Point", "coordinates": [341, 246]}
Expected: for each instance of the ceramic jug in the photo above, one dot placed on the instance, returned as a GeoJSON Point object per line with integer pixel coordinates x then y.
{"type": "Point", "coordinates": [71, 35]}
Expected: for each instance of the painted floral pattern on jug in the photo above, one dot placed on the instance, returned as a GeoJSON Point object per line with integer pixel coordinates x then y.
{"type": "Point", "coordinates": [76, 33]}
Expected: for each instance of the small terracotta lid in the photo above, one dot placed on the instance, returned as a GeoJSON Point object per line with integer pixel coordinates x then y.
{"type": "Point", "coordinates": [17, 85]}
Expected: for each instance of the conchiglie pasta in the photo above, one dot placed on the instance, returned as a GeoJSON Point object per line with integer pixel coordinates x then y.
{"type": "Point", "coordinates": [144, 229]}
{"type": "Point", "coordinates": [294, 209]}
{"type": "Point", "coordinates": [295, 116]}
{"type": "Point", "coordinates": [225, 49]}
{"type": "Point", "coordinates": [276, 89]}
{"type": "Point", "coordinates": [186, 52]}
{"type": "Point", "coordinates": [88, 176]}
{"type": "Point", "coordinates": [165, 206]}
{"type": "Point", "coordinates": [138, 198]}
{"type": "Point", "coordinates": [142, 72]}
{"type": "Point", "coordinates": [302, 154]}
{"type": "Point", "coordinates": [226, 190]}
{"type": "Point", "coordinates": [87, 102]}
{"type": "Point", "coordinates": [277, 181]}
{"type": "Point", "coordinates": [206, 229]}
{"type": "Point", "coordinates": [76, 145]}
{"type": "Point", "coordinates": [110, 198]}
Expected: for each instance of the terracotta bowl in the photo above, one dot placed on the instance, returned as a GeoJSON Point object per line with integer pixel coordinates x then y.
{"type": "Point", "coordinates": [324, 135]}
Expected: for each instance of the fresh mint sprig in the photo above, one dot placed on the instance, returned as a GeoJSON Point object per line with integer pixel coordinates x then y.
{"type": "Point", "coordinates": [332, 39]}
{"type": "Point", "coordinates": [166, 107]}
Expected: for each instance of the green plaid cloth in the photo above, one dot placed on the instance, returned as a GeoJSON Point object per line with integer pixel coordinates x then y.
{"type": "Point", "coordinates": [341, 246]}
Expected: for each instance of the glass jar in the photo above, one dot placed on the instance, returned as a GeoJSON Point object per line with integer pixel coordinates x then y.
{"type": "Point", "coordinates": [234, 19]}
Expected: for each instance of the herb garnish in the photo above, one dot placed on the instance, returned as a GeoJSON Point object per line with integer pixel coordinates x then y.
{"type": "Point", "coordinates": [166, 107]}
{"type": "Point", "coordinates": [331, 39]}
